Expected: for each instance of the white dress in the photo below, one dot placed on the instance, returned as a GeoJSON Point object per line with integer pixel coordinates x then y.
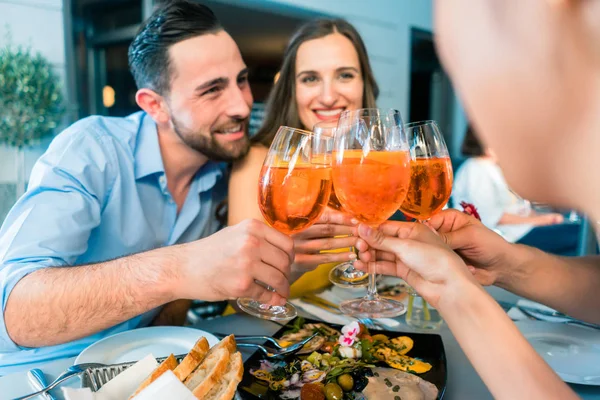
{"type": "Point", "coordinates": [480, 182]}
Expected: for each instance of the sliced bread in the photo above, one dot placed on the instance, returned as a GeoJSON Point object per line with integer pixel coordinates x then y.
{"type": "Point", "coordinates": [192, 360]}
{"type": "Point", "coordinates": [228, 343]}
{"type": "Point", "coordinates": [225, 389]}
{"type": "Point", "coordinates": [208, 373]}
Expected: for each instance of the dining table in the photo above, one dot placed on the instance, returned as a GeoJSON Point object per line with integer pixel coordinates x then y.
{"type": "Point", "coordinates": [462, 383]}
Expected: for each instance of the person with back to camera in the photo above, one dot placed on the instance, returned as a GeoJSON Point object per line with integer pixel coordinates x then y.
{"type": "Point", "coordinates": [480, 181]}
{"type": "Point", "coordinates": [527, 73]}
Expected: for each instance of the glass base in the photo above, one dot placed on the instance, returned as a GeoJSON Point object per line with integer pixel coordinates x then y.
{"type": "Point", "coordinates": [265, 311]}
{"type": "Point", "coordinates": [376, 308]}
{"type": "Point", "coordinates": [421, 315]}
{"type": "Point", "coordinates": [345, 276]}
{"type": "Point", "coordinates": [419, 320]}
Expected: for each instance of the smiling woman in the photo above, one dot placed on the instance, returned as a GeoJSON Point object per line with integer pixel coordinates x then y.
{"type": "Point", "coordinates": [325, 71]}
{"type": "Point", "coordinates": [328, 79]}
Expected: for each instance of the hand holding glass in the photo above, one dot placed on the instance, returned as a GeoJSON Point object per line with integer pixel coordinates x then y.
{"type": "Point", "coordinates": [344, 274]}
{"type": "Point", "coordinates": [429, 191]}
{"type": "Point", "coordinates": [371, 175]}
{"type": "Point", "coordinates": [293, 190]}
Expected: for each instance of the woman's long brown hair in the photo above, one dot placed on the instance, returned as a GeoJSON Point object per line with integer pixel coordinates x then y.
{"type": "Point", "coordinates": [281, 108]}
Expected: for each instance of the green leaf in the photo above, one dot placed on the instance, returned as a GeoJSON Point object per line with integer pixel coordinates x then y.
{"type": "Point", "coordinates": [296, 326]}
{"type": "Point", "coordinates": [31, 100]}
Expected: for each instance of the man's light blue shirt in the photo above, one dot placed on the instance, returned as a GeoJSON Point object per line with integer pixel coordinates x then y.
{"type": "Point", "coordinates": [98, 193]}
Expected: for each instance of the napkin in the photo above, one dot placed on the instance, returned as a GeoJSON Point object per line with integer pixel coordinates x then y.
{"type": "Point", "coordinates": [336, 318]}
{"type": "Point", "coordinates": [78, 394]}
{"type": "Point", "coordinates": [124, 384]}
{"type": "Point", "coordinates": [166, 386]}
{"type": "Point", "coordinates": [332, 297]}
{"type": "Point", "coordinates": [322, 314]}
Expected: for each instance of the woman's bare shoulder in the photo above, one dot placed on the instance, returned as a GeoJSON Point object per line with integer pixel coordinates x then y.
{"type": "Point", "coordinates": [255, 156]}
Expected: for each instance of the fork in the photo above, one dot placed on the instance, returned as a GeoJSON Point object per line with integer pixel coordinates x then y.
{"type": "Point", "coordinates": [73, 370]}
{"type": "Point", "coordinates": [371, 324]}
{"type": "Point", "coordinates": [565, 319]}
{"type": "Point", "coordinates": [282, 351]}
{"type": "Point", "coordinates": [269, 339]}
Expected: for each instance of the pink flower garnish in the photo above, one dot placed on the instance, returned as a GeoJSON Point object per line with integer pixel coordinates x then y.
{"type": "Point", "coordinates": [351, 330]}
{"type": "Point", "coordinates": [349, 333]}
{"type": "Point", "coordinates": [346, 341]}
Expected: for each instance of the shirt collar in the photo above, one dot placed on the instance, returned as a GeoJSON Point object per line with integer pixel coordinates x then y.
{"type": "Point", "coordinates": [209, 174]}
{"type": "Point", "coordinates": [148, 159]}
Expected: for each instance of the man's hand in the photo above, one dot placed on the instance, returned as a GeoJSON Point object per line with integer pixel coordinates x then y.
{"type": "Point", "coordinates": [228, 264]}
{"type": "Point", "coordinates": [321, 236]}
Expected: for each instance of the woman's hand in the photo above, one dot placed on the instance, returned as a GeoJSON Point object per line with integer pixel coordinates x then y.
{"type": "Point", "coordinates": [325, 235]}
{"type": "Point", "coordinates": [491, 259]}
{"type": "Point", "coordinates": [418, 255]}
{"type": "Point", "coordinates": [548, 219]}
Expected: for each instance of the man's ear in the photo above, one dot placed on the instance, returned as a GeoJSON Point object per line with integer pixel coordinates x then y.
{"type": "Point", "coordinates": [154, 104]}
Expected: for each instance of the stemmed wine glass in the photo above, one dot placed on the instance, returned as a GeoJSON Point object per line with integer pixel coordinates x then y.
{"type": "Point", "coordinates": [430, 189]}
{"type": "Point", "coordinates": [371, 175]}
{"type": "Point", "coordinates": [344, 274]}
{"type": "Point", "coordinates": [430, 171]}
{"type": "Point", "coordinates": [293, 190]}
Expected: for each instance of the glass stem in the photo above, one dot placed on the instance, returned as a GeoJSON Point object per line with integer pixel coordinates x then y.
{"type": "Point", "coordinates": [372, 288]}
{"type": "Point", "coordinates": [411, 300]}
{"type": "Point", "coordinates": [426, 312]}
{"type": "Point", "coordinates": [410, 290]}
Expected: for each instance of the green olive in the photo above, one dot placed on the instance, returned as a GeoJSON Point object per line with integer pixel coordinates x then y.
{"type": "Point", "coordinates": [346, 382]}
{"type": "Point", "coordinates": [333, 391]}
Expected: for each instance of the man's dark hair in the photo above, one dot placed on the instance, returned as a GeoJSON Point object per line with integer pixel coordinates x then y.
{"type": "Point", "coordinates": [173, 22]}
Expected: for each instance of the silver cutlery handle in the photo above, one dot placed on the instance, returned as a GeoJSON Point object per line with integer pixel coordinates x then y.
{"type": "Point", "coordinates": [252, 337]}
{"type": "Point", "coordinates": [250, 345]}
{"type": "Point", "coordinates": [564, 318]}
{"type": "Point", "coordinates": [585, 324]}
{"type": "Point", "coordinates": [38, 381]}
{"type": "Point", "coordinates": [57, 382]}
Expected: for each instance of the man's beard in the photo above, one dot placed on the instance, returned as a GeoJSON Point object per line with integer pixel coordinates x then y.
{"type": "Point", "coordinates": [211, 148]}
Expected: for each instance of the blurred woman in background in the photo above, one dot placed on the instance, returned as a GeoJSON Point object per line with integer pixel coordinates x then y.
{"type": "Point", "coordinates": [480, 181]}
{"type": "Point", "coordinates": [325, 71]}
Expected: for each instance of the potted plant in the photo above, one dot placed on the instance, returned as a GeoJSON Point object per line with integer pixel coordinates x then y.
{"type": "Point", "coordinates": [31, 102]}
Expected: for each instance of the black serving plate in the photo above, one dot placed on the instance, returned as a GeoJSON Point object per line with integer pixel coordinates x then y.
{"type": "Point", "coordinates": [427, 347]}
